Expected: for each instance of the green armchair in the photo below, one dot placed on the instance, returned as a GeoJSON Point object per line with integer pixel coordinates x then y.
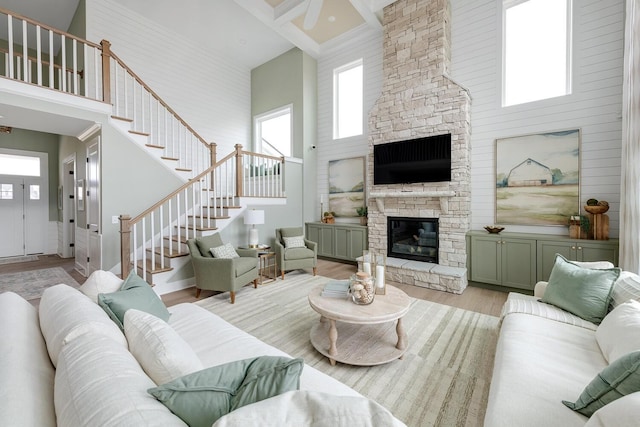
{"type": "Point", "coordinates": [294, 258]}
{"type": "Point", "coordinates": [221, 274]}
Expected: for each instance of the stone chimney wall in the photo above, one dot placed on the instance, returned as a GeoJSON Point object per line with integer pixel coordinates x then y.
{"type": "Point", "coordinates": [419, 99]}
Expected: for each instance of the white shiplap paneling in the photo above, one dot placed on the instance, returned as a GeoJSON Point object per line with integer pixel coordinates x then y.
{"type": "Point", "coordinates": [594, 106]}
{"type": "Point", "coordinates": [366, 45]}
{"type": "Point", "coordinates": [211, 93]}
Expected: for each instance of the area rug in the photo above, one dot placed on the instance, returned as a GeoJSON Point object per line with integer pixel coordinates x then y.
{"type": "Point", "coordinates": [443, 379]}
{"type": "Point", "coordinates": [31, 284]}
{"type": "Point", "coordinates": [14, 259]}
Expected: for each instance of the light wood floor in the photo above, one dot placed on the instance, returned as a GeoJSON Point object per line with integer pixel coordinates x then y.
{"type": "Point", "coordinates": [473, 298]}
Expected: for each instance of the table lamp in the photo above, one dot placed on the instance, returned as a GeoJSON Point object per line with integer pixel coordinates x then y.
{"type": "Point", "coordinates": [253, 217]}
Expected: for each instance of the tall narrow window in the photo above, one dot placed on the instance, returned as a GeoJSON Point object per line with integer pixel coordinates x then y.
{"type": "Point", "coordinates": [536, 50]}
{"type": "Point", "coordinates": [273, 132]}
{"type": "Point", "coordinates": [347, 100]}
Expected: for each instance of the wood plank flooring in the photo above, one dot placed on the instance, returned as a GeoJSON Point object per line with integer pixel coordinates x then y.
{"type": "Point", "coordinates": [473, 298]}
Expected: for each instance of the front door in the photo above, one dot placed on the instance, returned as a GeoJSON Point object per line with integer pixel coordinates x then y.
{"type": "Point", "coordinates": [11, 216]}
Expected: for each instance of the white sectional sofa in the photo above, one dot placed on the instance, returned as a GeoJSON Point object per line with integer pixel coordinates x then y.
{"type": "Point", "coordinates": [68, 364]}
{"type": "Point", "coordinates": [546, 355]}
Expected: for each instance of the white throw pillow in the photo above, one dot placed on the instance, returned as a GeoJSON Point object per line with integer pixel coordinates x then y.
{"type": "Point", "coordinates": [161, 352]}
{"type": "Point", "coordinates": [623, 412]}
{"type": "Point", "coordinates": [100, 282]}
{"type": "Point", "coordinates": [625, 288]}
{"type": "Point", "coordinates": [619, 332]}
{"type": "Point", "coordinates": [225, 251]}
{"type": "Point", "coordinates": [294, 242]}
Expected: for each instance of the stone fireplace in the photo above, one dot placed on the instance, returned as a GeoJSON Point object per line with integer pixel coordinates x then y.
{"type": "Point", "coordinates": [419, 99]}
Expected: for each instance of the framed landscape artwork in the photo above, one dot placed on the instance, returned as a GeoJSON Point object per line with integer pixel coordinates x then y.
{"type": "Point", "coordinates": [538, 178]}
{"type": "Point", "coordinates": [346, 186]}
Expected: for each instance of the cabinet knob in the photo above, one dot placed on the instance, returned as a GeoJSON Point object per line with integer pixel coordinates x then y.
{"type": "Point", "coordinates": [573, 247]}
{"type": "Point", "coordinates": [579, 248]}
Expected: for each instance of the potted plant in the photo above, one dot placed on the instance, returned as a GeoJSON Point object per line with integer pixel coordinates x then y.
{"type": "Point", "coordinates": [329, 217]}
{"type": "Point", "coordinates": [362, 212]}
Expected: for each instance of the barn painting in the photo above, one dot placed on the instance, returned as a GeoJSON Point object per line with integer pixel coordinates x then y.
{"type": "Point", "coordinates": [538, 178]}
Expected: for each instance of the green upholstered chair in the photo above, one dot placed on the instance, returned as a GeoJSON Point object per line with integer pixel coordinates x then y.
{"type": "Point", "coordinates": [220, 274]}
{"type": "Point", "coordinates": [295, 258]}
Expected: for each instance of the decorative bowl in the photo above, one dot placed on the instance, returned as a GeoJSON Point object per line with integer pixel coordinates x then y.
{"type": "Point", "coordinates": [596, 209]}
{"type": "Point", "coordinates": [493, 229]}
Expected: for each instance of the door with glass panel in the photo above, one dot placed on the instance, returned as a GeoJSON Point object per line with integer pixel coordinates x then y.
{"type": "Point", "coordinates": [11, 216]}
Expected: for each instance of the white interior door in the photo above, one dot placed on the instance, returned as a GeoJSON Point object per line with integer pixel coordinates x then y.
{"type": "Point", "coordinates": [11, 216]}
{"type": "Point", "coordinates": [36, 214]}
{"type": "Point", "coordinates": [93, 205]}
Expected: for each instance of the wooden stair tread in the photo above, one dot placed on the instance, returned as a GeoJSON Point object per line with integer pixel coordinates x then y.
{"type": "Point", "coordinates": [154, 146]}
{"type": "Point", "coordinates": [124, 119]}
{"type": "Point", "coordinates": [198, 228]}
{"type": "Point", "coordinates": [214, 217]}
{"type": "Point", "coordinates": [184, 169]}
{"type": "Point", "coordinates": [153, 269]}
{"type": "Point", "coordinates": [174, 253]}
{"type": "Point", "coordinates": [136, 132]}
{"type": "Point", "coordinates": [169, 158]}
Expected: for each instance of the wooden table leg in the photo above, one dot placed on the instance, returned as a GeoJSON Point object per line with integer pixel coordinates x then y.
{"type": "Point", "coordinates": [333, 338]}
{"type": "Point", "coordinates": [402, 337]}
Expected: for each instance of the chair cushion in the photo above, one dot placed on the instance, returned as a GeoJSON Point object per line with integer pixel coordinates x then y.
{"type": "Point", "coordinates": [205, 243]}
{"type": "Point", "coordinates": [244, 265]}
{"type": "Point", "coordinates": [298, 253]}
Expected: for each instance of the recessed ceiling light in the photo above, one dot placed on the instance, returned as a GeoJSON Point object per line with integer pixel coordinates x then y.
{"type": "Point", "coordinates": [332, 18]}
{"type": "Point", "coordinates": [242, 42]}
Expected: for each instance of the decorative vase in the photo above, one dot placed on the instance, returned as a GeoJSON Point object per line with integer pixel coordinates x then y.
{"type": "Point", "coordinates": [362, 288]}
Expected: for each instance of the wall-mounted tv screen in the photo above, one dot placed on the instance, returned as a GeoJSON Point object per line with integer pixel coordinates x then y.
{"type": "Point", "coordinates": [425, 159]}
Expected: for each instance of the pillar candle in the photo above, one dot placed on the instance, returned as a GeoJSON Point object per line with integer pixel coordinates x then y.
{"type": "Point", "coordinates": [366, 267]}
{"type": "Point", "coordinates": [380, 276]}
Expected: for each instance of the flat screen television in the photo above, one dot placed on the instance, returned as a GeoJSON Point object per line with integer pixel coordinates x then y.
{"type": "Point", "coordinates": [426, 159]}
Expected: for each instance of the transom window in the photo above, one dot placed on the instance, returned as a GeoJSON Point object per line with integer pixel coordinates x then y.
{"type": "Point", "coordinates": [348, 100]}
{"type": "Point", "coordinates": [11, 164]}
{"type": "Point", "coordinates": [536, 50]}
{"type": "Point", "coordinates": [273, 132]}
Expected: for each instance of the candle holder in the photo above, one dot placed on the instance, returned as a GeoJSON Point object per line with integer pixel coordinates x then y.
{"type": "Point", "coordinates": [379, 277]}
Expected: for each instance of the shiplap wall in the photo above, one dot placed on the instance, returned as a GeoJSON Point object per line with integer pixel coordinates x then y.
{"type": "Point", "coordinates": [594, 105]}
{"type": "Point", "coordinates": [211, 93]}
{"type": "Point", "coordinates": [368, 46]}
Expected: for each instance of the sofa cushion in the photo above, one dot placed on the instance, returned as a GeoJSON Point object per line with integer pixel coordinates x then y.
{"type": "Point", "coordinates": [528, 304]}
{"type": "Point", "coordinates": [134, 293]}
{"type": "Point", "coordinates": [625, 288]}
{"type": "Point", "coordinates": [26, 372]}
{"type": "Point", "coordinates": [244, 265]}
{"type": "Point", "coordinates": [100, 282]}
{"type": "Point", "coordinates": [584, 292]}
{"type": "Point", "coordinates": [226, 251]}
{"type": "Point", "coordinates": [100, 384]}
{"type": "Point", "coordinates": [161, 352]}
{"type": "Point", "coordinates": [202, 397]}
{"type": "Point", "coordinates": [620, 378]}
{"type": "Point", "coordinates": [66, 314]}
{"type": "Point", "coordinates": [619, 332]}
{"type": "Point", "coordinates": [623, 412]}
{"type": "Point", "coordinates": [294, 242]}
{"type": "Point", "coordinates": [298, 253]}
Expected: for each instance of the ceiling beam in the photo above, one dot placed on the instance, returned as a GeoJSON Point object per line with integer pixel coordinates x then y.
{"type": "Point", "coordinates": [289, 10]}
{"type": "Point", "coordinates": [364, 9]}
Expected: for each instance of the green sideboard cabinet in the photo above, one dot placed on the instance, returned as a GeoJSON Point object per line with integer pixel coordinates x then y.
{"type": "Point", "coordinates": [338, 241]}
{"type": "Point", "coordinates": [503, 260]}
{"type": "Point", "coordinates": [574, 250]}
{"type": "Point", "coordinates": [519, 260]}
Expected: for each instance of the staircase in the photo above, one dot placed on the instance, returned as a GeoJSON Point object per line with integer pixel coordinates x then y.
{"type": "Point", "coordinates": [214, 192]}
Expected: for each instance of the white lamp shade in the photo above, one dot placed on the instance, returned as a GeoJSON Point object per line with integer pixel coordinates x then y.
{"type": "Point", "coordinates": [253, 217]}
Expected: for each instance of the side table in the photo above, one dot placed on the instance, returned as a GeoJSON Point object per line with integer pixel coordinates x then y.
{"type": "Point", "coordinates": [267, 267]}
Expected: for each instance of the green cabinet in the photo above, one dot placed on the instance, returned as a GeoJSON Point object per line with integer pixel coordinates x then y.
{"type": "Point", "coordinates": [574, 250]}
{"type": "Point", "coordinates": [503, 261]}
{"type": "Point", "coordinates": [338, 241]}
{"type": "Point", "coordinates": [519, 260]}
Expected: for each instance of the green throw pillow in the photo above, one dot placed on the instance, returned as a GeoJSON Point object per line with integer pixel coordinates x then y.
{"type": "Point", "coordinates": [202, 397]}
{"type": "Point", "coordinates": [134, 293]}
{"type": "Point", "coordinates": [582, 291]}
{"type": "Point", "coordinates": [620, 378]}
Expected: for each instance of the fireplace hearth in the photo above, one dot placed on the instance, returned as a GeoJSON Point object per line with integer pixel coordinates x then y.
{"type": "Point", "coordinates": [413, 238]}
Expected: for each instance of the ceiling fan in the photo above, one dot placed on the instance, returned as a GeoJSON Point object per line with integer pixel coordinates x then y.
{"type": "Point", "coordinates": [312, 15]}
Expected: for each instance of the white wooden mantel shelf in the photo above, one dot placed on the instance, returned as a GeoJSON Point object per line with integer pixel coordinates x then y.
{"type": "Point", "coordinates": [442, 195]}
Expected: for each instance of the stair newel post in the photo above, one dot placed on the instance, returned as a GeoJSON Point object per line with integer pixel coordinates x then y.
{"type": "Point", "coordinates": [213, 151]}
{"type": "Point", "coordinates": [106, 71]}
{"type": "Point", "coordinates": [281, 177]}
{"type": "Point", "coordinates": [125, 245]}
{"type": "Point", "coordinates": [239, 189]}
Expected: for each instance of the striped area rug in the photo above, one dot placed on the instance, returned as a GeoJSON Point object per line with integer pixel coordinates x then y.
{"type": "Point", "coordinates": [443, 379]}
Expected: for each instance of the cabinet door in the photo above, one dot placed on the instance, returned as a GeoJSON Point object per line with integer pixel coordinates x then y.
{"type": "Point", "coordinates": [325, 241]}
{"type": "Point", "coordinates": [518, 263]}
{"type": "Point", "coordinates": [547, 250]}
{"type": "Point", "coordinates": [342, 244]}
{"type": "Point", "coordinates": [313, 233]}
{"type": "Point", "coordinates": [485, 259]}
{"type": "Point", "coordinates": [357, 242]}
{"type": "Point", "coordinates": [597, 251]}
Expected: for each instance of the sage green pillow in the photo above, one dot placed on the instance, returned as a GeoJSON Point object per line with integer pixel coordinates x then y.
{"type": "Point", "coordinates": [620, 378]}
{"type": "Point", "coordinates": [582, 291]}
{"type": "Point", "coordinates": [134, 293]}
{"type": "Point", "coordinates": [200, 398]}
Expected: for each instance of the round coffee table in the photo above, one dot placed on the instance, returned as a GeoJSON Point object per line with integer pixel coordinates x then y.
{"type": "Point", "coordinates": [367, 336]}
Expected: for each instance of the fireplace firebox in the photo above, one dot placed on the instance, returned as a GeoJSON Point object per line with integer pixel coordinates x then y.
{"type": "Point", "coordinates": [413, 238]}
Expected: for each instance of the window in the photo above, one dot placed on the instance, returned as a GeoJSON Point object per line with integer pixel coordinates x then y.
{"type": "Point", "coordinates": [6, 191]}
{"type": "Point", "coordinates": [19, 165]}
{"type": "Point", "coordinates": [273, 133]}
{"type": "Point", "coordinates": [34, 192]}
{"type": "Point", "coordinates": [347, 100]}
{"type": "Point", "coordinates": [536, 43]}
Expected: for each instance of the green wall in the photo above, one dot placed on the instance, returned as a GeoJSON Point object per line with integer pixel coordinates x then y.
{"type": "Point", "coordinates": [27, 140]}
